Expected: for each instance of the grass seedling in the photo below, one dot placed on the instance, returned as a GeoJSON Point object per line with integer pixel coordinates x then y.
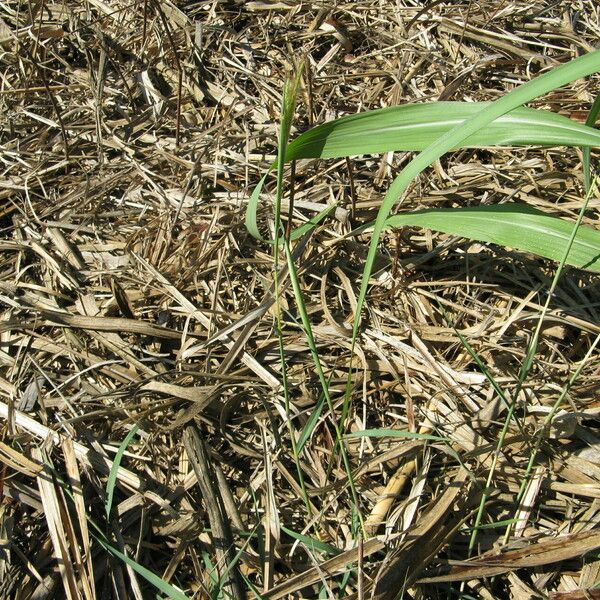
{"type": "Point", "coordinates": [169, 590]}
{"type": "Point", "coordinates": [289, 101]}
{"type": "Point", "coordinates": [517, 226]}
{"type": "Point", "coordinates": [290, 92]}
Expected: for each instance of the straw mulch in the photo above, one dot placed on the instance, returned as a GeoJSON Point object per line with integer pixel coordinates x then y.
{"type": "Point", "coordinates": [134, 302]}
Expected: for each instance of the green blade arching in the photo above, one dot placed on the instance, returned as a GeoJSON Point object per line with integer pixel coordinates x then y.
{"type": "Point", "coordinates": [517, 226]}
{"type": "Point", "coordinates": [416, 126]}
{"type": "Point", "coordinates": [413, 127]}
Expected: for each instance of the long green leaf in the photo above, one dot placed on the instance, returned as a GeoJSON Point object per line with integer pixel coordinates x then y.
{"type": "Point", "coordinates": [395, 433]}
{"type": "Point", "coordinates": [112, 476]}
{"type": "Point", "coordinates": [557, 77]}
{"type": "Point", "coordinates": [313, 419]}
{"type": "Point", "coordinates": [575, 69]}
{"type": "Point", "coordinates": [155, 580]}
{"type": "Point", "coordinates": [315, 545]}
{"type": "Point", "coordinates": [518, 226]}
{"type": "Point", "coordinates": [97, 533]}
{"type": "Point", "coordinates": [416, 126]}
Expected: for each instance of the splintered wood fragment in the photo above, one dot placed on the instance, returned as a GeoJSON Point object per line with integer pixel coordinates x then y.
{"type": "Point", "coordinates": [200, 395]}
{"type": "Point", "coordinates": [528, 500]}
{"type": "Point", "coordinates": [590, 572]}
{"type": "Point", "coordinates": [109, 324]}
{"type": "Point", "coordinates": [432, 531]}
{"type": "Point", "coordinates": [22, 493]}
{"type": "Point", "coordinates": [272, 526]}
{"type": "Point", "coordinates": [19, 462]}
{"type": "Point", "coordinates": [330, 567]}
{"type": "Point", "coordinates": [69, 251]}
{"type": "Point", "coordinates": [85, 565]}
{"type": "Point", "coordinates": [271, 5]}
{"type": "Point", "coordinates": [217, 517]}
{"type": "Point", "coordinates": [231, 508]}
{"type": "Point", "coordinates": [509, 43]}
{"type": "Point", "coordinates": [394, 486]}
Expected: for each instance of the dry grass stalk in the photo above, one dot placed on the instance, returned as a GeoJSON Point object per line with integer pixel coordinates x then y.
{"type": "Point", "coordinates": [219, 521]}
{"type": "Point", "coordinates": [55, 513]}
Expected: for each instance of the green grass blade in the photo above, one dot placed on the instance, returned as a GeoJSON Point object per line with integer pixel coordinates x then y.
{"type": "Point", "coordinates": [252, 208]}
{"type": "Point", "coordinates": [97, 533]}
{"type": "Point", "coordinates": [496, 525]}
{"type": "Point", "coordinates": [149, 576]}
{"type": "Point", "coordinates": [314, 545]}
{"type": "Point", "coordinates": [566, 252]}
{"type": "Point", "coordinates": [306, 326]}
{"type": "Point", "coordinates": [590, 122]}
{"type": "Point", "coordinates": [112, 475]}
{"type": "Point", "coordinates": [532, 347]}
{"type": "Point", "coordinates": [289, 100]}
{"type": "Point", "coordinates": [479, 362]}
{"type": "Point", "coordinates": [308, 429]}
{"type": "Point", "coordinates": [416, 126]}
{"type": "Point", "coordinates": [518, 226]}
{"type": "Point", "coordinates": [297, 233]}
{"type": "Point", "coordinates": [557, 77]}
{"type": "Point", "coordinates": [395, 433]}
{"type": "Point", "coordinates": [575, 69]}
{"type": "Point", "coordinates": [252, 218]}
{"type": "Point", "coordinates": [290, 91]}
{"type": "Point", "coordinates": [548, 420]}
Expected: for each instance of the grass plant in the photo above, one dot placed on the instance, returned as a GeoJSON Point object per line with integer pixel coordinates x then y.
{"type": "Point", "coordinates": [288, 106]}
{"type": "Point", "coordinates": [375, 376]}
{"type": "Point", "coordinates": [436, 129]}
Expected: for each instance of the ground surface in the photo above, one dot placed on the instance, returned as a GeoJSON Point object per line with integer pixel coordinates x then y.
{"type": "Point", "coordinates": [131, 136]}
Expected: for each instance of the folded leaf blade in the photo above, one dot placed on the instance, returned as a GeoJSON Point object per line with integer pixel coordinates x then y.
{"type": "Point", "coordinates": [517, 226]}
{"type": "Point", "coordinates": [416, 126]}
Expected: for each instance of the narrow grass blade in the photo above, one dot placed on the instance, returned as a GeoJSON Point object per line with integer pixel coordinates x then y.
{"type": "Point", "coordinates": [416, 126]}
{"type": "Point", "coordinates": [496, 525]}
{"type": "Point", "coordinates": [289, 98]}
{"type": "Point", "coordinates": [306, 326]}
{"type": "Point", "coordinates": [211, 569]}
{"type": "Point", "coordinates": [518, 226]}
{"type": "Point", "coordinates": [252, 217]}
{"type": "Point", "coordinates": [308, 429]}
{"type": "Point", "coordinates": [97, 533]}
{"type": "Point", "coordinates": [252, 208]}
{"type": "Point", "coordinates": [290, 91]}
{"type": "Point", "coordinates": [566, 252]}
{"type": "Point", "coordinates": [313, 544]}
{"type": "Point", "coordinates": [112, 476]}
{"type": "Point", "coordinates": [149, 576]}
{"type": "Point", "coordinates": [590, 122]}
{"type": "Point", "coordinates": [395, 433]}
